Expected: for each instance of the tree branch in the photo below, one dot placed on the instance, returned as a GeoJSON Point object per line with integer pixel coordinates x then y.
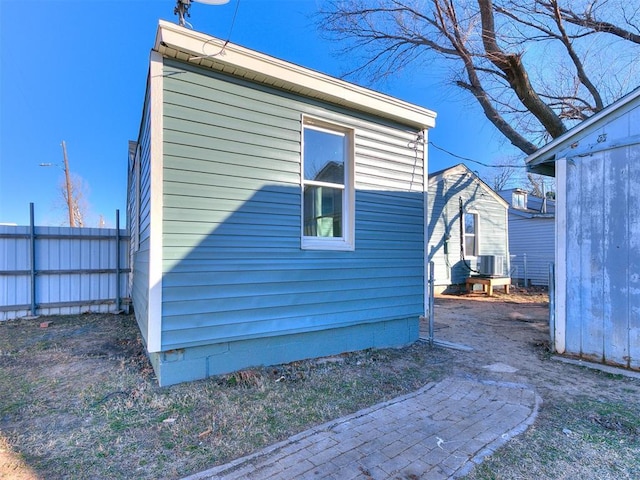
{"type": "Point", "coordinates": [511, 65]}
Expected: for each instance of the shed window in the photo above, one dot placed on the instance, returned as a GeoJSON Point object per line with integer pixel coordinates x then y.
{"type": "Point", "coordinates": [471, 234]}
{"type": "Point", "coordinates": [327, 186]}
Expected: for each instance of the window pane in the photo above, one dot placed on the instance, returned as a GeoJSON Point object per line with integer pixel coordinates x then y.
{"type": "Point", "coordinates": [324, 155]}
{"type": "Point", "coordinates": [470, 223]}
{"type": "Point", "coordinates": [470, 245]}
{"type": "Point", "coordinates": [322, 211]}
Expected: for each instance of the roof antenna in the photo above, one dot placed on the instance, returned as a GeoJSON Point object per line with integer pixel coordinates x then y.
{"type": "Point", "coordinates": [182, 8]}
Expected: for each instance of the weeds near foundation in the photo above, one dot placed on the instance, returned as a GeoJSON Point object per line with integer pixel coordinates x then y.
{"type": "Point", "coordinates": [79, 400]}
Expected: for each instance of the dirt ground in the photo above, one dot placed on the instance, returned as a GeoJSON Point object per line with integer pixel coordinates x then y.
{"type": "Point", "coordinates": [78, 399]}
{"type": "Point", "coordinates": [513, 331]}
{"type": "Point", "coordinates": [589, 424]}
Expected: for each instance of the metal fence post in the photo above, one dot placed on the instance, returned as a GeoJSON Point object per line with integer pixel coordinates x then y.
{"type": "Point", "coordinates": [526, 277]}
{"type": "Point", "coordinates": [32, 255]}
{"type": "Point", "coordinates": [431, 299]}
{"type": "Point", "coordinates": [117, 260]}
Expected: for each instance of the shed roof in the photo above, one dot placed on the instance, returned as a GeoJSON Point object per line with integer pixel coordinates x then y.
{"type": "Point", "coordinates": [543, 160]}
{"type": "Point", "coordinates": [174, 41]}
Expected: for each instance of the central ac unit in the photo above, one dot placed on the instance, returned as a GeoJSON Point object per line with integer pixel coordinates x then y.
{"type": "Point", "coordinates": [491, 265]}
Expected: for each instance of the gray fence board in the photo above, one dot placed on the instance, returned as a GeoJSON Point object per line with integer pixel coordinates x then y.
{"type": "Point", "coordinates": [76, 270]}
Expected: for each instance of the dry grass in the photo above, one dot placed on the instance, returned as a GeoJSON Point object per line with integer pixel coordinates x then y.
{"type": "Point", "coordinates": [582, 438]}
{"type": "Point", "coordinates": [80, 401]}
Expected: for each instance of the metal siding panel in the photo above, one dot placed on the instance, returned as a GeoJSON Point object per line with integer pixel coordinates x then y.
{"type": "Point", "coordinates": [574, 241]}
{"type": "Point", "coordinates": [68, 251]}
{"type": "Point", "coordinates": [634, 129]}
{"type": "Point", "coordinates": [232, 258]}
{"type": "Point", "coordinates": [592, 198]}
{"type": "Point", "coordinates": [14, 255]}
{"type": "Point", "coordinates": [634, 250]}
{"type": "Point", "coordinates": [616, 256]}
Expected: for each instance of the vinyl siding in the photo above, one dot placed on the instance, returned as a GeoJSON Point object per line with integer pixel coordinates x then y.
{"type": "Point", "coordinates": [535, 238]}
{"type": "Point", "coordinates": [232, 262]}
{"type": "Point", "coordinates": [444, 222]}
{"type": "Point", "coordinates": [140, 257]}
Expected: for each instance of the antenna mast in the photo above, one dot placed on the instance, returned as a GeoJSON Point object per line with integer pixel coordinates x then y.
{"type": "Point", "coordinates": [182, 8]}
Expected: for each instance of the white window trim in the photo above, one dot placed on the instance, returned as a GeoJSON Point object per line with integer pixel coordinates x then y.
{"type": "Point", "coordinates": [519, 195]}
{"type": "Point", "coordinates": [347, 241]}
{"type": "Point", "coordinates": [476, 234]}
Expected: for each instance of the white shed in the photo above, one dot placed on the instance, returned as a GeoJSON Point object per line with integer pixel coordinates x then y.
{"type": "Point", "coordinates": [597, 170]}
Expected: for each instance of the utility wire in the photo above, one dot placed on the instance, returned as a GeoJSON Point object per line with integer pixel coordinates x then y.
{"type": "Point", "coordinates": [233, 23]}
{"type": "Point", "coordinates": [472, 160]}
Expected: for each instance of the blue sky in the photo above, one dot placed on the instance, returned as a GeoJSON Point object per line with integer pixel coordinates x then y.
{"type": "Point", "coordinates": [75, 70]}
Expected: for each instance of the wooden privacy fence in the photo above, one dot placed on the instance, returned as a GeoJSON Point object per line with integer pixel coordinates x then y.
{"type": "Point", "coordinates": [62, 270]}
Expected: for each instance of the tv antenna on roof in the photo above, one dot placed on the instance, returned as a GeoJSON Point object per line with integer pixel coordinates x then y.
{"type": "Point", "coordinates": [182, 8]}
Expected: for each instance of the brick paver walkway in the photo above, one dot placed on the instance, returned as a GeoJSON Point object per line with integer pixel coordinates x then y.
{"type": "Point", "coordinates": [440, 431]}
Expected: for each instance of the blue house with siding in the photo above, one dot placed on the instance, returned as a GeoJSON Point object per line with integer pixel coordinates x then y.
{"type": "Point", "coordinates": [275, 213]}
{"type": "Point", "coordinates": [466, 219]}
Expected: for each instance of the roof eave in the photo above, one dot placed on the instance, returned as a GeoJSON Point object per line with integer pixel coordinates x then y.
{"type": "Point", "coordinates": [543, 160]}
{"type": "Point", "coordinates": [178, 42]}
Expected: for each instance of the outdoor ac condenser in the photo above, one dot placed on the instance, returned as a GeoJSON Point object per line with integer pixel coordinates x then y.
{"type": "Point", "coordinates": [491, 265]}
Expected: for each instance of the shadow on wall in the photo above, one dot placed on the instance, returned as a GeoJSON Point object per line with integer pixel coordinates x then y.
{"type": "Point", "coordinates": [445, 230]}
{"type": "Point", "coordinates": [235, 269]}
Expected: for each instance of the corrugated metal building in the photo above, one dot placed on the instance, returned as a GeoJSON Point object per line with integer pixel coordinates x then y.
{"type": "Point", "coordinates": [467, 218]}
{"type": "Point", "coordinates": [531, 236]}
{"type": "Point", "coordinates": [597, 170]}
{"type": "Point", "coordinates": [276, 213]}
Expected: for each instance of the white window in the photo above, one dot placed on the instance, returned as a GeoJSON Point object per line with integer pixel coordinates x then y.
{"type": "Point", "coordinates": [519, 199]}
{"type": "Point", "coordinates": [327, 186]}
{"type": "Point", "coordinates": [470, 234]}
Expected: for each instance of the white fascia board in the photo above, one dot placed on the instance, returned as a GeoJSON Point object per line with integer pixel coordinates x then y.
{"type": "Point", "coordinates": [200, 48]}
{"type": "Point", "coordinates": [554, 149]}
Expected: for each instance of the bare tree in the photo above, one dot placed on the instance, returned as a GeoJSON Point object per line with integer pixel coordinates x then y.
{"type": "Point", "coordinates": [501, 179]}
{"type": "Point", "coordinates": [535, 67]}
{"type": "Point", "coordinates": [78, 205]}
{"type": "Point", "coordinates": [509, 173]}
